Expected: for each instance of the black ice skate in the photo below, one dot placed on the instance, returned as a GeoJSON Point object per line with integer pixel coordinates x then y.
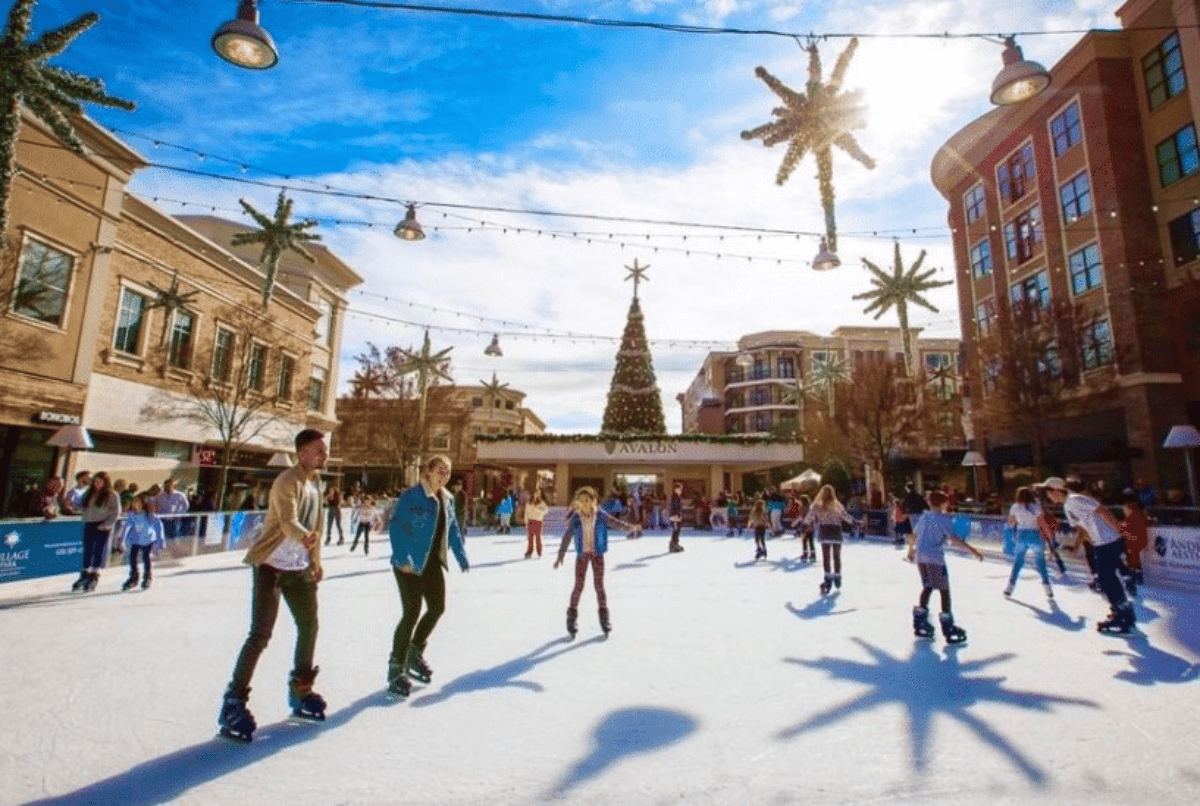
{"type": "Point", "coordinates": [572, 617]}
{"type": "Point", "coordinates": [827, 584]}
{"type": "Point", "coordinates": [837, 581]}
{"type": "Point", "coordinates": [604, 623]}
{"type": "Point", "coordinates": [953, 633]}
{"type": "Point", "coordinates": [145, 583]}
{"type": "Point", "coordinates": [921, 626]}
{"type": "Point", "coordinates": [1121, 621]}
{"type": "Point", "coordinates": [130, 584]}
{"type": "Point", "coordinates": [397, 678]}
{"type": "Point", "coordinates": [79, 583]}
{"type": "Point", "coordinates": [417, 667]}
{"type": "Point", "coordinates": [235, 720]}
{"type": "Point", "coordinates": [305, 703]}
{"type": "Point", "coordinates": [93, 579]}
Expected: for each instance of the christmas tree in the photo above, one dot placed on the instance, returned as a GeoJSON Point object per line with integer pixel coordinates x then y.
{"type": "Point", "coordinates": [634, 403]}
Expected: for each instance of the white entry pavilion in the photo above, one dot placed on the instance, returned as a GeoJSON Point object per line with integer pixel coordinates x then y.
{"type": "Point", "coordinates": [705, 464]}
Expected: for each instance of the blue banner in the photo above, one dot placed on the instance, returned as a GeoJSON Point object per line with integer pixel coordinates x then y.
{"type": "Point", "coordinates": [32, 549]}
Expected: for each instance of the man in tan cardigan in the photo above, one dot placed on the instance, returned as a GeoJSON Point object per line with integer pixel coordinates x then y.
{"type": "Point", "coordinates": [286, 559]}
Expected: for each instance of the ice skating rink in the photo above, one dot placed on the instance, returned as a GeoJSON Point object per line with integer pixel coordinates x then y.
{"type": "Point", "coordinates": [725, 681]}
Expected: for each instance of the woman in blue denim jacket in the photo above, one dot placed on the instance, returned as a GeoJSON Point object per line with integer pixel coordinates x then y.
{"type": "Point", "coordinates": [423, 531]}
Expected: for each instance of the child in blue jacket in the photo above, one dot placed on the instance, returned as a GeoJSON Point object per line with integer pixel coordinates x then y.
{"type": "Point", "coordinates": [143, 532]}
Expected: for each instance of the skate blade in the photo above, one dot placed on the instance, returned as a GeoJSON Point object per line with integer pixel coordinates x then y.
{"type": "Point", "coordinates": [1133, 632]}
{"type": "Point", "coordinates": [233, 736]}
{"type": "Point", "coordinates": [304, 719]}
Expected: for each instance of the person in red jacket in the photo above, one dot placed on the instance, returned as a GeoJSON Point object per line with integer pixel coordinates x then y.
{"type": "Point", "coordinates": [1136, 540]}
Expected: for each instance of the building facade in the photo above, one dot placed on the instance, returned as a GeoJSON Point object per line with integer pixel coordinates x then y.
{"type": "Point", "coordinates": [148, 332]}
{"type": "Point", "coordinates": [1075, 214]}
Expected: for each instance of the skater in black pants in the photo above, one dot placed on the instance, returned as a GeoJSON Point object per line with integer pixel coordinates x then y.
{"type": "Point", "coordinates": [333, 499]}
{"type": "Point", "coordinates": [424, 531]}
{"type": "Point", "coordinates": [101, 506]}
{"type": "Point", "coordinates": [759, 521]}
{"type": "Point", "coordinates": [932, 531]}
{"type": "Point", "coordinates": [826, 516]}
{"type": "Point", "coordinates": [675, 513]}
{"type": "Point", "coordinates": [1086, 513]}
{"type": "Point", "coordinates": [286, 559]}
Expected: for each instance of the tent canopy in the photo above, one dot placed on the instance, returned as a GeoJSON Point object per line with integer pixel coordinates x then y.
{"type": "Point", "coordinates": [809, 478]}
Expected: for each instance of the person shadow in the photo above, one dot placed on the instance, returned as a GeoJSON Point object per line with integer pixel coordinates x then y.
{"type": "Point", "coordinates": [626, 732]}
{"type": "Point", "coordinates": [1149, 665]}
{"type": "Point", "coordinates": [507, 674]}
{"type": "Point", "coordinates": [1054, 616]}
{"type": "Point", "coordinates": [163, 779]}
{"type": "Point", "coordinates": [819, 608]}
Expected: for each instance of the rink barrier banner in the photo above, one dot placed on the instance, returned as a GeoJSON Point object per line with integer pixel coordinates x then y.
{"type": "Point", "coordinates": [39, 548]}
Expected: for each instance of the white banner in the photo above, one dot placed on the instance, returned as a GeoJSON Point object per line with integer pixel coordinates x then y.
{"type": "Point", "coordinates": [1173, 557]}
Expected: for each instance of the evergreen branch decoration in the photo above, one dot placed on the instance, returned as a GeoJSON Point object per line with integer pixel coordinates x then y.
{"type": "Point", "coordinates": [899, 289]}
{"type": "Point", "coordinates": [815, 121]}
{"type": "Point", "coordinates": [277, 235]}
{"type": "Point", "coordinates": [52, 94]}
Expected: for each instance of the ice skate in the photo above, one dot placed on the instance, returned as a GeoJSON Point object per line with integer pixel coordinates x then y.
{"type": "Point", "coordinates": [1120, 621]}
{"type": "Point", "coordinates": [145, 583]}
{"type": "Point", "coordinates": [305, 703]}
{"type": "Point", "coordinates": [952, 632]}
{"type": "Point", "coordinates": [92, 581]}
{"type": "Point", "coordinates": [837, 581]}
{"type": "Point", "coordinates": [397, 678]}
{"type": "Point", "coordinates": [1049, 590]}
{"type": "Point", "coordinates": [604, 622]}
{"type": "Point", "coordinates": [572, 617]}
{"type": "Point", "coordinates": [79, 583]}
{"type": "Point", "coordinates": [417, 667]}
{"type": "Point", "coordinates": [1008, 590]}
{"type": "Point", "coordinates": [235, 720]}
{"type": "Point", "coordinates": [921, 626]}
{"type": "Point", "coordinates": [130, 584]}
{"type": "Point", "coordinates": [827, 584]}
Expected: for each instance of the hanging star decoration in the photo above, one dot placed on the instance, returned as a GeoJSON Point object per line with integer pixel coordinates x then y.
{"type": "Point", "coordinates": [367, 382]}
{"type": "Point", "coordinates": [277, 236]}
{"type": "Point", "coordinates": [171, 300]}
{"type": "Point", "coordinates": [943, 379]}
{"type": "Point", "coordinates": [899, 289]}
{"type": "Point", "coordinates": [636, 273]}
{"type": "Point", "coordinates": [50, 93]}
{"type": "Point", "coordinates": [828, 375]}
{"type": "Point", "coordinates": [493, 389]}
{"type": "Point", "coordinates": [816, 120]}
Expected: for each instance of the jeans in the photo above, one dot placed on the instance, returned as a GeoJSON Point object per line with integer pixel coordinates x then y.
{"type": "Point", "coordinates": [1108, 561]}
{"type": "Point", "coordinates": [133, 558]}
{"type": "Point", "coordinates": [300, 592]}
{"type": "Point", "coordinates": [1030, 540]}
{"type": "Point", "coordinates": [335, 519]}
{"type": "Point", "coordinates": [94, 541]}
{"type": "Point", "coordinates": [430, 586]}
{"type": "Point", "coordinates": [364, 531]}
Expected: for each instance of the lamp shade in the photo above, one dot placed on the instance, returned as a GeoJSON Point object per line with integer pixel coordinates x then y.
{"type": "Point", "coordinates": [974, 459]}
{"type": "Point", "coordinates": [243, 42]}
{"type": "Point", "coordinates": [1183, 436]}
{"type": "Point", "coordinates": [825, 260]}
{"type": "Point", "coordinates": [75, 437]}
{"type": "Point", "coordinates": [410, 229]}
{"type": "Point", "coordinates": [493, 349]}
{"type": "Point", "coordinates": [1019, 79]}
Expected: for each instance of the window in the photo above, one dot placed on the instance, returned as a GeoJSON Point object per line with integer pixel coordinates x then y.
{"type": "Point", "coordinates": [974, 202]}
{"type": "Point", "coordinates": [1066, 130]}
{"type": "Point", "coordinates": [477, 402]}
{"type": "Point", "coordinates": [287, 371]}
{"type": "Point", "coordinates": [936, 361]}
{"type": "Point", "coordinates": [128, 336]}
{"type": "Point", "coordinates": [786, 367]}
{"type": "Point", "coordinates": [1049, 365]}
{"type": "Point", "coordinates": [736, 375]}
{"type": "Point", "coordinates": [179, 351]}
{"type": "Point", "coordinates": [762, 421]}
{"type": "Point", "coordinates": [316, 388]}
{"type": "Point", "coordinates": [759, 397]}
{"type": "Point", "coordinates": [1086, 271]}
{"type": "Point", "coordinates": [257, 368]}
{"type": "Point", "coordinates": [1177, 156]}
{"type": "Point", "coordinates": [1022, 235]}
{"type": "Point", "coordinates": [441, 439]}
{"type": "Point", "coordinates": [981, 259]}
{"type": "Point", "coordinates": [1076, 197]}
{"type": "Point", "coordinates": [1185, 237]}
{"type": "Point", "coordinates": [1015, 176]}
{"type": "Point", "coordinates": [817, 359]}
{"type": "Point", "coordinates": [985, 315]}
{"type": "Point", "coordinates": [325, 322]}
{"type": "Point", "coordinates": [1096, 349]}
{"type": "Point", "coordinates": [938, 367]}
{"type": "Point", "coordinates": [1163, 70]}
{"type": "Point", "coordinates": [991, 375]}
{"type": "Point", "coordinates": [222, 359]}
{"type": "Point", "coordinates": [761, 369]}
{"type": "Point", "coordinates": [1031, 295]}
{"type": "Point", "coordinates": [42, 282]}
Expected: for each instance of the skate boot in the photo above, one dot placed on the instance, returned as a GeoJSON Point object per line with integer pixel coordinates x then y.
{"type": "Point", "coordinates": [953, 633]}
{"type": "Point", "coordinates": [837, 581]}
{"type": "Point", "coordinates": [1049, 590]}
{"type": "Point", "coordinates": [305, 703]}
{"type": "Point", "coordinates": [604, 623]}
{"type": "Point", "coordinates": [93, 579]}
{"type": "Point", "coordinates": [235, 720]}
{"type": "Point", "coordinates": [145, 583]}
{"type": "Point", "coordinates": [827, 584]}
{"type": "Point", "coordinates": [130, 583]}
{"type": "Point", "coordinates": [1130, 586]}
{"type": "Point", "coordinates": [1095, 584]}
{"type": "Point", "coordinates": [1120, 620]}
{"type": "Point", "coordinates": [921, 626]}
{"type": "Point", "coordinates": [79, 583]}
{"type": "Point", "coordinates": [1008, 589]}
{"type": "Point", "coordinates": [572, 616]}
{"type": "Point", "coordinates": [417, 667]}
{"type": "Point", "coordinates": [397, 678]}
{"type": "Point", "coordinates": [1138, 577]}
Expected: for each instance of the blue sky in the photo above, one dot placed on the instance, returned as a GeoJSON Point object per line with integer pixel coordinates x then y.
{"type": "Point", "coordinates": [446, 109]}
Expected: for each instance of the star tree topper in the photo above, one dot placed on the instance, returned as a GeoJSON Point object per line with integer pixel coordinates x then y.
{"type": "Point", "coordinates": [637, 274]}
{"type": "Point", "coordinates": [816, 120]}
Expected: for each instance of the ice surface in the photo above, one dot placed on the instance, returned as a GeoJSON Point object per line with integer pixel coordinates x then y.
{"type": "Point", "coordinates": [725, 681]}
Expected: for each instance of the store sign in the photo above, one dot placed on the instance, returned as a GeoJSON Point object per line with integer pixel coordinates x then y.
{"type": "Point", "coordinates": [57, 418]}
{"type": "Point", "coordinates": [612, 447]}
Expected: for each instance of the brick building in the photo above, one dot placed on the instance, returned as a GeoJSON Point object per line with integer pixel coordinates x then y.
{"type": "Point", "coordinates": [1085, 200]}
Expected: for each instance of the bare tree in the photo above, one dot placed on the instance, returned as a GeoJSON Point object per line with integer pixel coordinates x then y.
{"type": "Point", "coordinates": [227, 390]}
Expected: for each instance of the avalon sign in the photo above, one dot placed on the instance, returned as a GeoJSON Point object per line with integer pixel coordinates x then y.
{"type": "Point", "coordinates": [612, 447]}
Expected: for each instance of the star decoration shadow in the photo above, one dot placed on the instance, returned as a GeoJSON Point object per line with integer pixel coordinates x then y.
{"type": "Point", "coordinates": [51, 93]}
{"type": "Point", "coordinates": [927, 685]}
{"type": "Point", "coordinates": [277, 235]}
{"type": "Point", "coordinates": [170, 300]}
{"type": "Point", "coordinates": [816, 120]}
